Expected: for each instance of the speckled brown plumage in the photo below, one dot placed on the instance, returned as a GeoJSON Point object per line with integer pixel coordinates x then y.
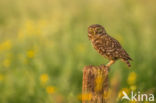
{"type": "Point", "coordinates": [106, 45]}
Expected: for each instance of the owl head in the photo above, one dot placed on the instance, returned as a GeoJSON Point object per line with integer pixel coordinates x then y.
{"type": "Point", "coordinates": [96, 29]}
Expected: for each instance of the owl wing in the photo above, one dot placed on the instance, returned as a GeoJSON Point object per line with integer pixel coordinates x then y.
{"type": "Point", "coordinates": [114, 50]}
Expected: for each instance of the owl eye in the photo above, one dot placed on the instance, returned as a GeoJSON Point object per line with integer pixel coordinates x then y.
{"type": "Point", "coordinates": [99, 30]}
{"type": "Point", "coordinates": [90, 30]}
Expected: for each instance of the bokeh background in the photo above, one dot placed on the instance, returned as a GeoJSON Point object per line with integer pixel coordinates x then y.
{"type": "Point", "coordinates": [44, 47]}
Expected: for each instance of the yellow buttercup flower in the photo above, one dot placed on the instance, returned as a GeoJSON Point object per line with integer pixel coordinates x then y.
{"type": "Point", "coordinates": [50, 89]}
{"type": "Point", "coordinates": [6, 45]}
{"type": "Point", "coordinates": [44, 78]}
{"type": "Point", "coordinates": [30, 53]}
{"type": "Point", "coordinates": [132, 78]}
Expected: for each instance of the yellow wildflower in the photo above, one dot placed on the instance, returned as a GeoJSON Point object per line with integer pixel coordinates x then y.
{"type": "Point", "coordinates": [85, 96]}
{"type": "Point", "coordinates": [44, 78]}
{"type": "Point", "coordinates": [132, 78]}
{"type": "Point", "coordinates": [31, 53]}
{"type": "Point", "coordinates": [50, 89]}
{"type": "Point", "coordinates": [6, 63]}
{"type": "Point", "coordinates": [6, 45]}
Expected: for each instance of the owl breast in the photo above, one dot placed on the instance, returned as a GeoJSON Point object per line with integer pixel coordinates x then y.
{"type": "Point", "coordinates": [103, 46]}
{"type": "Point", "coordinates": [99, 44]}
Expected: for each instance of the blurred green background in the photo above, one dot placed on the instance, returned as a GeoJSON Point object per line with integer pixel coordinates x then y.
{"type": "Point", "coordinates": [44, 47]}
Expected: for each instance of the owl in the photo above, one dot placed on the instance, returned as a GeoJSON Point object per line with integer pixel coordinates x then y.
{"type": "Point", "coordinates": [106, 45]}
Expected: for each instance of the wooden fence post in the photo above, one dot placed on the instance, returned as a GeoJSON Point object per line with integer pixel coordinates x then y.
{"type": "Point", "coordinates": [95, 84]}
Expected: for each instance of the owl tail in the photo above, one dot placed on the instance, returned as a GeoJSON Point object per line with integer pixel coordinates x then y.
{"type": "Point", "coordinates": [127, 62]}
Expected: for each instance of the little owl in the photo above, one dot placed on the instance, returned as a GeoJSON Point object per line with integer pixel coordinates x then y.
{"type": "Point", "coordinates": [106, 45]}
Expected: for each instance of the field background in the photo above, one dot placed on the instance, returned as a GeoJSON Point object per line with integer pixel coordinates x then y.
{"type": "Point", "coordinates": [44, 47]}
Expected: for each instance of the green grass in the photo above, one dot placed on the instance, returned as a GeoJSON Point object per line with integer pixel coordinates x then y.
{"type": "Point", "coordinates": [50, 37]}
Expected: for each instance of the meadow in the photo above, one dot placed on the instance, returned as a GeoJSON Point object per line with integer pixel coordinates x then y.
{"type": "Point", "coordinates": [44, 47]}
